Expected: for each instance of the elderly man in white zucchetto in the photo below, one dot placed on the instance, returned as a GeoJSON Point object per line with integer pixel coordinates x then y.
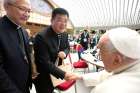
{"type": "Point", "coordinates": [120, 53]}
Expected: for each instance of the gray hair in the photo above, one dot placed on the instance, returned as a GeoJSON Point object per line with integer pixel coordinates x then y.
{"type": "Point", "coordinates": [13, 1]}
{"type": "Point", "coordinates": [9, 1]}
{"type": "Point", "coordinates": [110, 47]}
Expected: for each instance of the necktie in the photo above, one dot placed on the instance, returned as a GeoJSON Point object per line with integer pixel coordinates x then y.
{"type": "Point", "coordinates": [21, 42]}
{"type": "Point", "coordinates": [58, 49]}
{"type": "Point", "coordinates": [59, 40]}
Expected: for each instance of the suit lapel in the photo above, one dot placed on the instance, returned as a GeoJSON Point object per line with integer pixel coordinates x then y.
{"type": "Point", "coordinates": [12, 37]}
{"type": "Point", "coordinates": [26, 42]}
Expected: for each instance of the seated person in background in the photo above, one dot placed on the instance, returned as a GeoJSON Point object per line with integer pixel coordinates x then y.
{"type": "Point", "coordinates": [120, 53]}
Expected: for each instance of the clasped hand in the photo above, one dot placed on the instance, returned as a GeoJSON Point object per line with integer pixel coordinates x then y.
{"type": "Point", "coordinates": [72, 76]}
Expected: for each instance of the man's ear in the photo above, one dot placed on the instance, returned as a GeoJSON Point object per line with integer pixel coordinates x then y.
{"type": "Point", "coordinates": [117, 59]}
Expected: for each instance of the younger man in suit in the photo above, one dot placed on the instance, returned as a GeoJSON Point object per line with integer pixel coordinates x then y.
{"type": "Point", "coordinates": [49, 45]}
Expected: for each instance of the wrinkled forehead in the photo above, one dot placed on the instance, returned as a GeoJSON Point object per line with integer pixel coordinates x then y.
{"type": "Point", "coordinates": [103, 40]}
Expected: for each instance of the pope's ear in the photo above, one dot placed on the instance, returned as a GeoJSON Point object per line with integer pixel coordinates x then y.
{"type": "Point", "coordinates": [117, 59]}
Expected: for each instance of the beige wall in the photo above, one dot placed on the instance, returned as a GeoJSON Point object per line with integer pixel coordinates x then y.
{"type": "Point", "coordinates": [37, 22]}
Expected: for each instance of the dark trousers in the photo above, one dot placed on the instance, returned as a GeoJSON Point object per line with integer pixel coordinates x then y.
{"type": "Point", "coordinates": [43, 85]}
{"type": "Point", "coordinates": [79, 55]}
{"type": "Point", "coordinates": [84, 45]}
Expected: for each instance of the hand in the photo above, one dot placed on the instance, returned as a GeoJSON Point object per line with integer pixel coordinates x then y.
{"type": "Point", "coordinates": [75, 77]}
{"type": "Point", "coordinates": [34, 75]}
{"type": "Point", "coordinates": [72, 76]}
{"type": "Point", "coordinates": [61, 55]}
{"type": "Point", "coordinates": [67, 75]}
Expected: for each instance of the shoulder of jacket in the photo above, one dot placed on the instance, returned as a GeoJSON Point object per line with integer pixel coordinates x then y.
{"type": "Point", "coordinates": [2, 27]}
{"type": "Point", "coordinates": [43, 34]}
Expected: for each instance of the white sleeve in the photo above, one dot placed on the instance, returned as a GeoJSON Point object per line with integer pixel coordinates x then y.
{"type": "Point", "coordinates": [92, 79]}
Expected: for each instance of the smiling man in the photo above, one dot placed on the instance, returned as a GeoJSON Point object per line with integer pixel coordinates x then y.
{"type": "Point", "coordinates": [51, 44]}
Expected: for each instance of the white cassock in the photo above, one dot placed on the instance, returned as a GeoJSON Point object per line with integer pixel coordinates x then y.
{"type": "Point", "coordinates": [93, 79]}
{"type": "Point", "coordinates": [90, 80]}
{"type": "Point", "coordinates": [127, 81]}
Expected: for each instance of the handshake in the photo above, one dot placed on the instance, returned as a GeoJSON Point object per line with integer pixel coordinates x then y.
{"type": "Point", "coordinates": [72, 76]}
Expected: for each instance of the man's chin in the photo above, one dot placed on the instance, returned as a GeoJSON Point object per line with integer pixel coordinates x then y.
{"type": "Point", "coordinates": [23, 23]}
{"type": "Point", "coordinates": [61, 31]}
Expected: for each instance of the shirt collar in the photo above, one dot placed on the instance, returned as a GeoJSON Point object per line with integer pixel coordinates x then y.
{"type": "Point", "coordinates": [57, 34]}
{"type": "Point", "coordinates": [123, 68]}
{"type": "Point", "coordinates": [18, 26]}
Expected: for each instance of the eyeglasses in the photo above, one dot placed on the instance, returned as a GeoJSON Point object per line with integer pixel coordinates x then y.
{"type": "Point", "coordinates": [24, 9]}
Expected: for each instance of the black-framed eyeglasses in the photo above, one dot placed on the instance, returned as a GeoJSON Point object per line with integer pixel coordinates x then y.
{"type": "Point", "coordinates": [22, 8]}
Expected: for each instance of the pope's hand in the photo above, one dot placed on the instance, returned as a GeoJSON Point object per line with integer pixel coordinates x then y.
{"type": "Point", "coordinates": [72, 76]}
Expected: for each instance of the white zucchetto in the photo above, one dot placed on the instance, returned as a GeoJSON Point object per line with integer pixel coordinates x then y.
{"type": "Point", "coordinates": [126, 41]}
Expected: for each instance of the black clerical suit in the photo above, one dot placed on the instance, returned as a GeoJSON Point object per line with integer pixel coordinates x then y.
{"type": "Point", "coordinates": [15, 73]}
{"type": "Point", "coordinates": [46, 51]}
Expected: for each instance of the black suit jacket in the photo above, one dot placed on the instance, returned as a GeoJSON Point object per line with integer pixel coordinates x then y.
{"type": "Point", "coordinates": [46, 52]}
{"type": "Point", "coordinates": [82, 42]}
{"type": "Point", "coordinates": [14, 69]}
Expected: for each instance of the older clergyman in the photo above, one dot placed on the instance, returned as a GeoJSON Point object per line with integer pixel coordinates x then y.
{"type": "Point", "coordinates": [120, 53]}
{"type": "Point", "coordinates": [15, 75]}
